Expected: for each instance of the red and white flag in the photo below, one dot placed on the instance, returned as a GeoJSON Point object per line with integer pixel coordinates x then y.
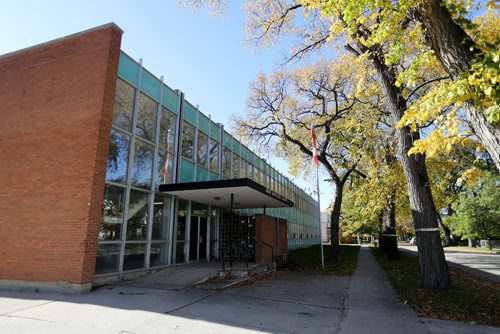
{"type": "Point", "coordinates": [313, 136]}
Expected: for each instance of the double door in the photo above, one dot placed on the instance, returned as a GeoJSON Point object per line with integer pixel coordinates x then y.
{"type": "Point", "coordinates": [198, 235]}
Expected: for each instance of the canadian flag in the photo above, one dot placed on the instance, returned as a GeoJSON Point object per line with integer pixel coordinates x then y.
{"type": "Point", "coordinates": [313, 136]}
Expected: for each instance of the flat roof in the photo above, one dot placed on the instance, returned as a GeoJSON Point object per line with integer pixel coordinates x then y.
{"type": "Point", "coordinates": [247, 193]}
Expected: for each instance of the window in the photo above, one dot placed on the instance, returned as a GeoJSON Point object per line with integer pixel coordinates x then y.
{"type": "Point", "coordinates": [213, 151]}
{"type": "Point", "coordinates": [134, 256]}
{"type": "Point", "coordinates": [124, 105]}
{"type": "Point", "coordinates": [187, 141]}
{"type": "Point", "coordinates": [160, 218]}
{"type": "Point", "coordinates": [112, 213]}
{"type": "Point", "coordinates": [116, 170]}
{"type": "Point", "coordinates": [250, 171]}
{"type": "Point", "coordinates": [236, 166]}
{"type": "Point", "coordinates": [107, 259]}
{"type": "Point", "coordinates": [158, 255]}
{"type": "Point", "coordinates": [137, 223]}
{"type": "Point", "coordinates": [146, 118]}
{"type": "Point", "coordinates": [164, 167]}
{"type": "Point", "coordinates": [243, 172]}
{"type": "Point", "coordinates": [226, 163]}
{"type": "Point", "coordinates": [167, 129]}
{"type": "Point", "coordinates": [201, 152]}
{"type": "Point", "coordinates": [143, 164]}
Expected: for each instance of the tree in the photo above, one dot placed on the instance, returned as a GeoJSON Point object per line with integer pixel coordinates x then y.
{"type": "Point", "coordinates": [356, 26]}
{"type": "Point", "coordinates": [346, 21]}
{"type": "Point", "coordinates": [477, 210]}
{"type": "Point", "coordinates": [280, 108]}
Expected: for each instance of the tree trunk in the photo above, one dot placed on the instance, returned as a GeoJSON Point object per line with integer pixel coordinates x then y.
{"type": "Point", "coordinates": [334, 222]}
{"type": "Point", "coordinates": [456, 51]}
{"type": "Point", "coordinates": [390, 241]}
{"type": "Point", "coordinates": [433, 267]}
{"type": "Point", "coordinates": [447, 233]}
{"type": "Point", "coordinates": [471, 241]}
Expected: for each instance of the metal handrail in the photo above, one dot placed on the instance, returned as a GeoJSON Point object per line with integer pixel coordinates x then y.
{"type": "Point", "coordinates": [272, 249]}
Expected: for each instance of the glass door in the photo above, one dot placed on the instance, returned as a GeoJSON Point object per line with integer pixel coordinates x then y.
{"type": "Point", "coordinates": [198, 238]}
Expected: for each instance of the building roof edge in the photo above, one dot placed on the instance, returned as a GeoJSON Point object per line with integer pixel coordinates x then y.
{"type": "Point", "coordinates": [101, 27]}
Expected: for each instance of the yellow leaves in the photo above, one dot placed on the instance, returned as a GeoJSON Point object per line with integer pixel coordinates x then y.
{"type": "Point", "coordinates": [471, 175]}
{"type": "Point", "coordinates": [446, 133]}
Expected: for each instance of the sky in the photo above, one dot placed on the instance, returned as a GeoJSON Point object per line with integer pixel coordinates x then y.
{"type": "Point", "coordinates": [202, 56]}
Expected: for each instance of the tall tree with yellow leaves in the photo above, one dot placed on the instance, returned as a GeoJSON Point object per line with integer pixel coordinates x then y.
{"type": "Point", "coordinates": [279, 112]}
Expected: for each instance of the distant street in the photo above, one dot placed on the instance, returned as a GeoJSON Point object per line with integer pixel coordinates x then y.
{"type": "Point", "coordinates": [487, 263]}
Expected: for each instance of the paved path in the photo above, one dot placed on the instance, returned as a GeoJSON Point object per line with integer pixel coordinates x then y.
{"type": "Point", "coordinates": [290, 303]}
{"type": "Point", "coordinates": [482, 263]}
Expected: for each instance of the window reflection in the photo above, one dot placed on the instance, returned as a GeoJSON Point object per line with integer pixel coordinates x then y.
{"type": "Point", "coordinates": [146, 118]}
{"type": "Point", "coordinates": [167, 129]}
{"type": "Point", "coordinates": [134, 256]}
{"type": "Point", "coordinates": [159, 254]}
{"type": "Point", "coordinates": [137, 215]}
{"type": "Point", "coordinates": [160, 218]}
{"type": "Point", "coordinates": [243, 172]}
{"type": "Point", "coordinates": [201, 155]}
{"type": "Point", "coordinates": [213, 151]}
{"type": "Point", "coordinates": [124, 105]}
{"type": "Point", "coordinates": [235, 166]}
{"type": "Point", "coordinates": [112, 213]}
{"type": "Point", "coordinates": [187, 141]}
{"type": "Point", "coordinates": [107, 259]}
{"type": "Point", "coordinates": [164, 167]}
{"type": "Point", "coordinates": [143, 164]}
{"type": "Point", "coordinates": [226, 163]}
{"type": "Point", "coordinates": [181, 220]}
{"type": "Point", "coordinates": [116, 169]}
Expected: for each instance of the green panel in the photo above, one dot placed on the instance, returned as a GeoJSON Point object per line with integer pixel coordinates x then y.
{"type": "Point", "coordinates": [190, 113]}
{"type": "Point", "coordinates": [236, 146]}
{"type": "Point", "coordinates": [203, 122]}
{"type": "Point", "coordinates": [187, 171]}
{"type": "Point", "coordinates": [262, 164]}
{"type": "Point", "coordinates": [170, 99]}
{"type": "Point", "coordinates": [227, 140]}
{"type": "Point", "coordinates": [201, 173]}
{"type": "Point", "coordinates": [213, 176]}
{"type": "Point", "coordinates": [215, 131]}
{"type": "Point", "coordinates": [150, 85]}
{"type": "Point", "coordinates": [128, 69]}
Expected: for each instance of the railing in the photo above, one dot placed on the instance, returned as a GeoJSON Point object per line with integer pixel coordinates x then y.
{"type": "Point", "coordinates": [272, 249]}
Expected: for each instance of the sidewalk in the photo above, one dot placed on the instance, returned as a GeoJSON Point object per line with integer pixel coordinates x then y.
{"type": "Point", "coordinates": [372, 306]}
{"type": "Point", "coordinates": [165, 302]}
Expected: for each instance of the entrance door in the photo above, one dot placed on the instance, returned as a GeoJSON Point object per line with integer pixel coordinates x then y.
{"type": "Point", "coordinates": [198, 238]}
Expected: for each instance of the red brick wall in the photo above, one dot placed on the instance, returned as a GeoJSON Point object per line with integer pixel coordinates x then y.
{"type": "Point", "coordinates": [266, 233]}
{"type": "Point", "coordinates": [56, 102]}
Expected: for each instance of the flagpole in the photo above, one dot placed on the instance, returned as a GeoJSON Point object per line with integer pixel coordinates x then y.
{"type": "Point", "coordinates": [319, 219]}
{"type": "Point", "coordinates": [316, 163]}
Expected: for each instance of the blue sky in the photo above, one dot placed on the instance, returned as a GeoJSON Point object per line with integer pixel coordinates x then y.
{"type": "Point", "coordinates": [201, 56]}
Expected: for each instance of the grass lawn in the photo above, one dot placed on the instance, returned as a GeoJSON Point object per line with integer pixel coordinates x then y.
{"type": "Point", "coordinates": [309, 260]}
{"type": "Point", "coordinates": [472, 299]}
{"type": "Point", "coordinates": [474, 249]}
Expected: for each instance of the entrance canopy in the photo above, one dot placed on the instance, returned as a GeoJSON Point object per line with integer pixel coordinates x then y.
{"type": "Point", "coordinates": [247, 193]}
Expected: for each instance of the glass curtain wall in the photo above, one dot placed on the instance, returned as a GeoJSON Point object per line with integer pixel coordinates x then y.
{"type": "Point", "coordinates": [140, 227]}
{"type": "Point", "coordinates": [136, 219]}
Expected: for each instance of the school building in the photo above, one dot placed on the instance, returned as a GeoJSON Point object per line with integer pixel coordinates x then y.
{"type": "Point", "coordinates": [107, 173]}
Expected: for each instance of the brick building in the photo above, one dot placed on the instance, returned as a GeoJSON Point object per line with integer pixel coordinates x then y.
{"type": "Point", "coordinates": [107, 172]}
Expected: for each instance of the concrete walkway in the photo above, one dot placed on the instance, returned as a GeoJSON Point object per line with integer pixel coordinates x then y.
{"type": "Point", "coordinates": [166, 303]}
{"type": "Point", "coordinates": [371, 300]}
